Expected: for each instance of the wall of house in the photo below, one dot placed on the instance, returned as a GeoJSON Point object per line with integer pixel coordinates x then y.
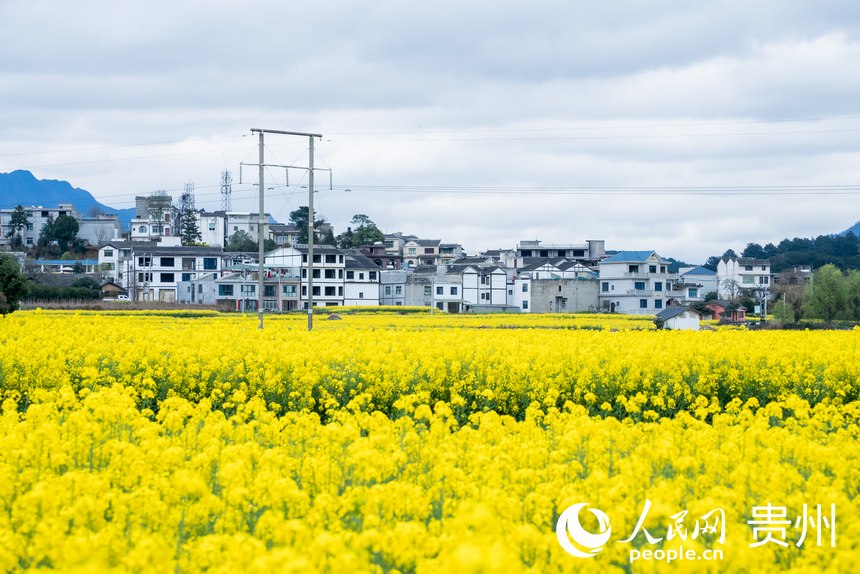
{"type": "Point", "coordinates": [563, 296]}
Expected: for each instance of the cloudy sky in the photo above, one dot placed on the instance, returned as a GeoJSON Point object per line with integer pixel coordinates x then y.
{"type": "Point", "coordinates": [685, 127]}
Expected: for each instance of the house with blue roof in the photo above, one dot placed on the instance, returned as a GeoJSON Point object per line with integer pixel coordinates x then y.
{"type": "Point", "coordinates": [694, 283]}
{"type": "Point", "coordinates": [635, 283]}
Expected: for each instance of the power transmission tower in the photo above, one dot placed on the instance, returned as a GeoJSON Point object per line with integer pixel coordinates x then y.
{"type": "Point", "coordinates": [226, 190]}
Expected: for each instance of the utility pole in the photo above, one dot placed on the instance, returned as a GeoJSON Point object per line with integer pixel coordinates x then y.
{"type": "Point", "coordinates": [260, 235]}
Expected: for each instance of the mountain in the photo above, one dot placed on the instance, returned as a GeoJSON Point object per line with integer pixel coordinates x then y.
{"type": "Point", "coordinates": [21, 187]}
{"type": "Point", "coordinates": [855, 230]}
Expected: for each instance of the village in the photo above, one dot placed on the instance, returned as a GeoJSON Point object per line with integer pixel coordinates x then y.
{"type": "Point", "coordinates": [150, 263]}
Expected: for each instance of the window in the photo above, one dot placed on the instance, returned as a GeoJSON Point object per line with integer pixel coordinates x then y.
{"type": "Point", "coordinates": [212, 226]}
{"type": "Point", "coordinates": [186, 276]}
{"type": "Point", "coordinates": [692, 293]}
{"type": "Point", "coordinates": [329, 273]}
{"type": "Point", "coordinates": [658, 286]}
{"type": "Point", "coordinates": [288, 290]}
{"type": "Point", "coordinates": [361, 276]}
{"type": "Point", "coordinates": [643, 303]}
{"type": "Point", "coordinates": [428, 251]}
{"type": "Point", "coordinates": [316, 291]}
{"type": "Point", "coordinates": [453, 290]}
{"type": "Point", "coordinates": [350, 274]}
{"type": "Point", "coordinates": [108, 252]}
{"type": "Point", "coordinates": [167, 261]}
{"type": "Point", "coordinates": [605, 287]}
{"type": "Point", "coordinates": [544, 253]}
{"type": "Point", "coordinates": [748, 280]}
{"type": "Point", "coordinates": [166, 278]}
{"type": "Point", "coordinates": [249, 289]}
{"type": "Point", "coordinates": [427, 290]}
{"type": "Point", "coordinates": [225, 290]}
{"type": "Point", "coordinates": [662, 269]}
{"type": "Point", "coordinates": [764, 268]}
{"type": "Point", "coordinates": [29, 241]}
{"type": "Point", "coordinates": [210, 263]}
{"type": "Point", "coordinates": [141, 229]}
{"type": "Point", "coordinates": [329, 291]}
{"type": "Point", "coordinates": [144, 277]}
{"type": "Point", "coordinates": [331, 258]}
{"type": "Point", "coordinates": [340, 273]}
{"type": "Point", "coordinates": [748, 267]}
{"type": "Point", "coordinates": [763, 280]}
{"type": "Point", "coordinates": [658, 303]}
{"type": "Point", "coordinates": [440, 290]}
{"type": "Point", "coordinates": [639, 285]}
{"type": "Point", "coordinates": [316, 273]}
{"type": "Point", "coordinates": [199, 287]}
{"type": "Point", "coordinates": [388, 289]}
{"type": "Point", "coordinates": [372, 275]}
{"type": "Point", "coordinates": [268, 290]}
{"type": "Point", "coordinates": [410, 251]}
{"type": "Point", "coordinates": [45, 214]}
{"type": "Point", "coordinates": [144, 261]}
{"type": "Point", "coordinates": [317, 259]}
{"type": "Point", "coordinates": [652, 268]}
{"type": "Point", "coordinates": [340, 291]}
{"type": "Point", "coordinates": [389, 244]}
{"type": "Point", "coordinates": [483, 280]}
{"type": "Point", "coordinates": [398, 290]}
{"type": "Point", "coordinates": [361, 294]}
{"type": "Point", "coordinates": [633, 269]}
{"type": "Point", "coordinates": [525, 287]}
{"type": "Point", "coordinates": [525, 304]}
{"type": "Point", "coordinates": [668, 286]}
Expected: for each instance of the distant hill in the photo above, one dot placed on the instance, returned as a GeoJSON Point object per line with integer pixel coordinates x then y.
{"type": "Point", "coordinates": [21, 187]}
{"type": "Point", "coordinates": [855, 230]}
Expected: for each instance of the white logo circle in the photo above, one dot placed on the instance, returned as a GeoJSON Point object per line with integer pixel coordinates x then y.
{"type": "Point", "coordinates": [574, 538]}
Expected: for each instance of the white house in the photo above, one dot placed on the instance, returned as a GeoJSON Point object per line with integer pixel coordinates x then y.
{"type": "Point", "coordinates": [153, 218]}
{"type": "Point", "coordinates": [739, 274]}
{"type": "Point", "coordinates": [635, 283]}
{"type": "Point", "coordinates": [151, 272]}
{"type": "Point", "coordinates": [361, 280]}
{"type": "Point", "coordinates": [680, 319]}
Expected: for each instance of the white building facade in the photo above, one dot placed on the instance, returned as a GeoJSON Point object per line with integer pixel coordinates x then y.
{"type": "Point", "coordinates": [635, 283]}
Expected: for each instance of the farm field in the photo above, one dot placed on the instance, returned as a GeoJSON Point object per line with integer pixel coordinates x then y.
{"type": "Point", "coordinates": [194, 442]}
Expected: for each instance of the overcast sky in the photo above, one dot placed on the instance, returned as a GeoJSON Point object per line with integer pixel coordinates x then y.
{"type": "Point", "coordinates": [685, 127]}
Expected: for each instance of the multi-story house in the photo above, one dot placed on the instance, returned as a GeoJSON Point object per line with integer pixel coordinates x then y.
{"type": "Point", "coordinates": [417, 252]}
{"type": "Point", "coordinates": [283, 234]}
{"type": "Point", "coordinates": [381, 257]}
{"type": "Point", "coordinates": [338, 277]}
{"type": "Point", "coordinates": [247, 222]}
{"type": "Point", "coordinates": [152, 272]}
{"type": "Point", "coordinates": [153, 219]}
{"type": "Point", "coordinates": [693, 284]}
{"type": "Point", "coordinates": [484, 287]}
{"type": "Point", "coordinates": [635, 283]}
{"type": "Point", "coordinates": [361, 280]}
{"type": "Point", "coordinates": [392, 289]}
{"type": "Point", "coordinates": [450, 252]}
{"type": "Point", "coordinates": [213, 227]}
{"type": "Point", "coordinates": [37, 216]}
{"type": "Point", "coordinates": [592, 251]}
{"type": "Point", "coordinates": [736, 275]}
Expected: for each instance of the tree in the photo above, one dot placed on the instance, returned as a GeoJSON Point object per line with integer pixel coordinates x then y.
{"type": "Point", "coordinates": [731, 286]}
{"type": "Point", "coordinates": [299, 218]}
{"type": "Point", "coordinates": [344, 240]}
{"type": "Point", "coordinates": [755, 251]}
{"type": "Point", "coordinates": [13, 284]}
{"type": "Point", "coordinates": [240, 241]}
{"type": "Point", "coordinates": [17, 223]}
{"type": "Point", "coordinates": [853, 287]}
{"type": "Point", "coordinates": [366, 232]}
{"type": "Point", "coordinates": [783, 312]}
{"type": "Point", "coordinates": [826, 294]}
{"type": "Point", "coordinates": [65, 230]}
{"type": "Point", "coordinates": [791, 289]}
{"type": "Point", "coordinates": [189, 231]}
